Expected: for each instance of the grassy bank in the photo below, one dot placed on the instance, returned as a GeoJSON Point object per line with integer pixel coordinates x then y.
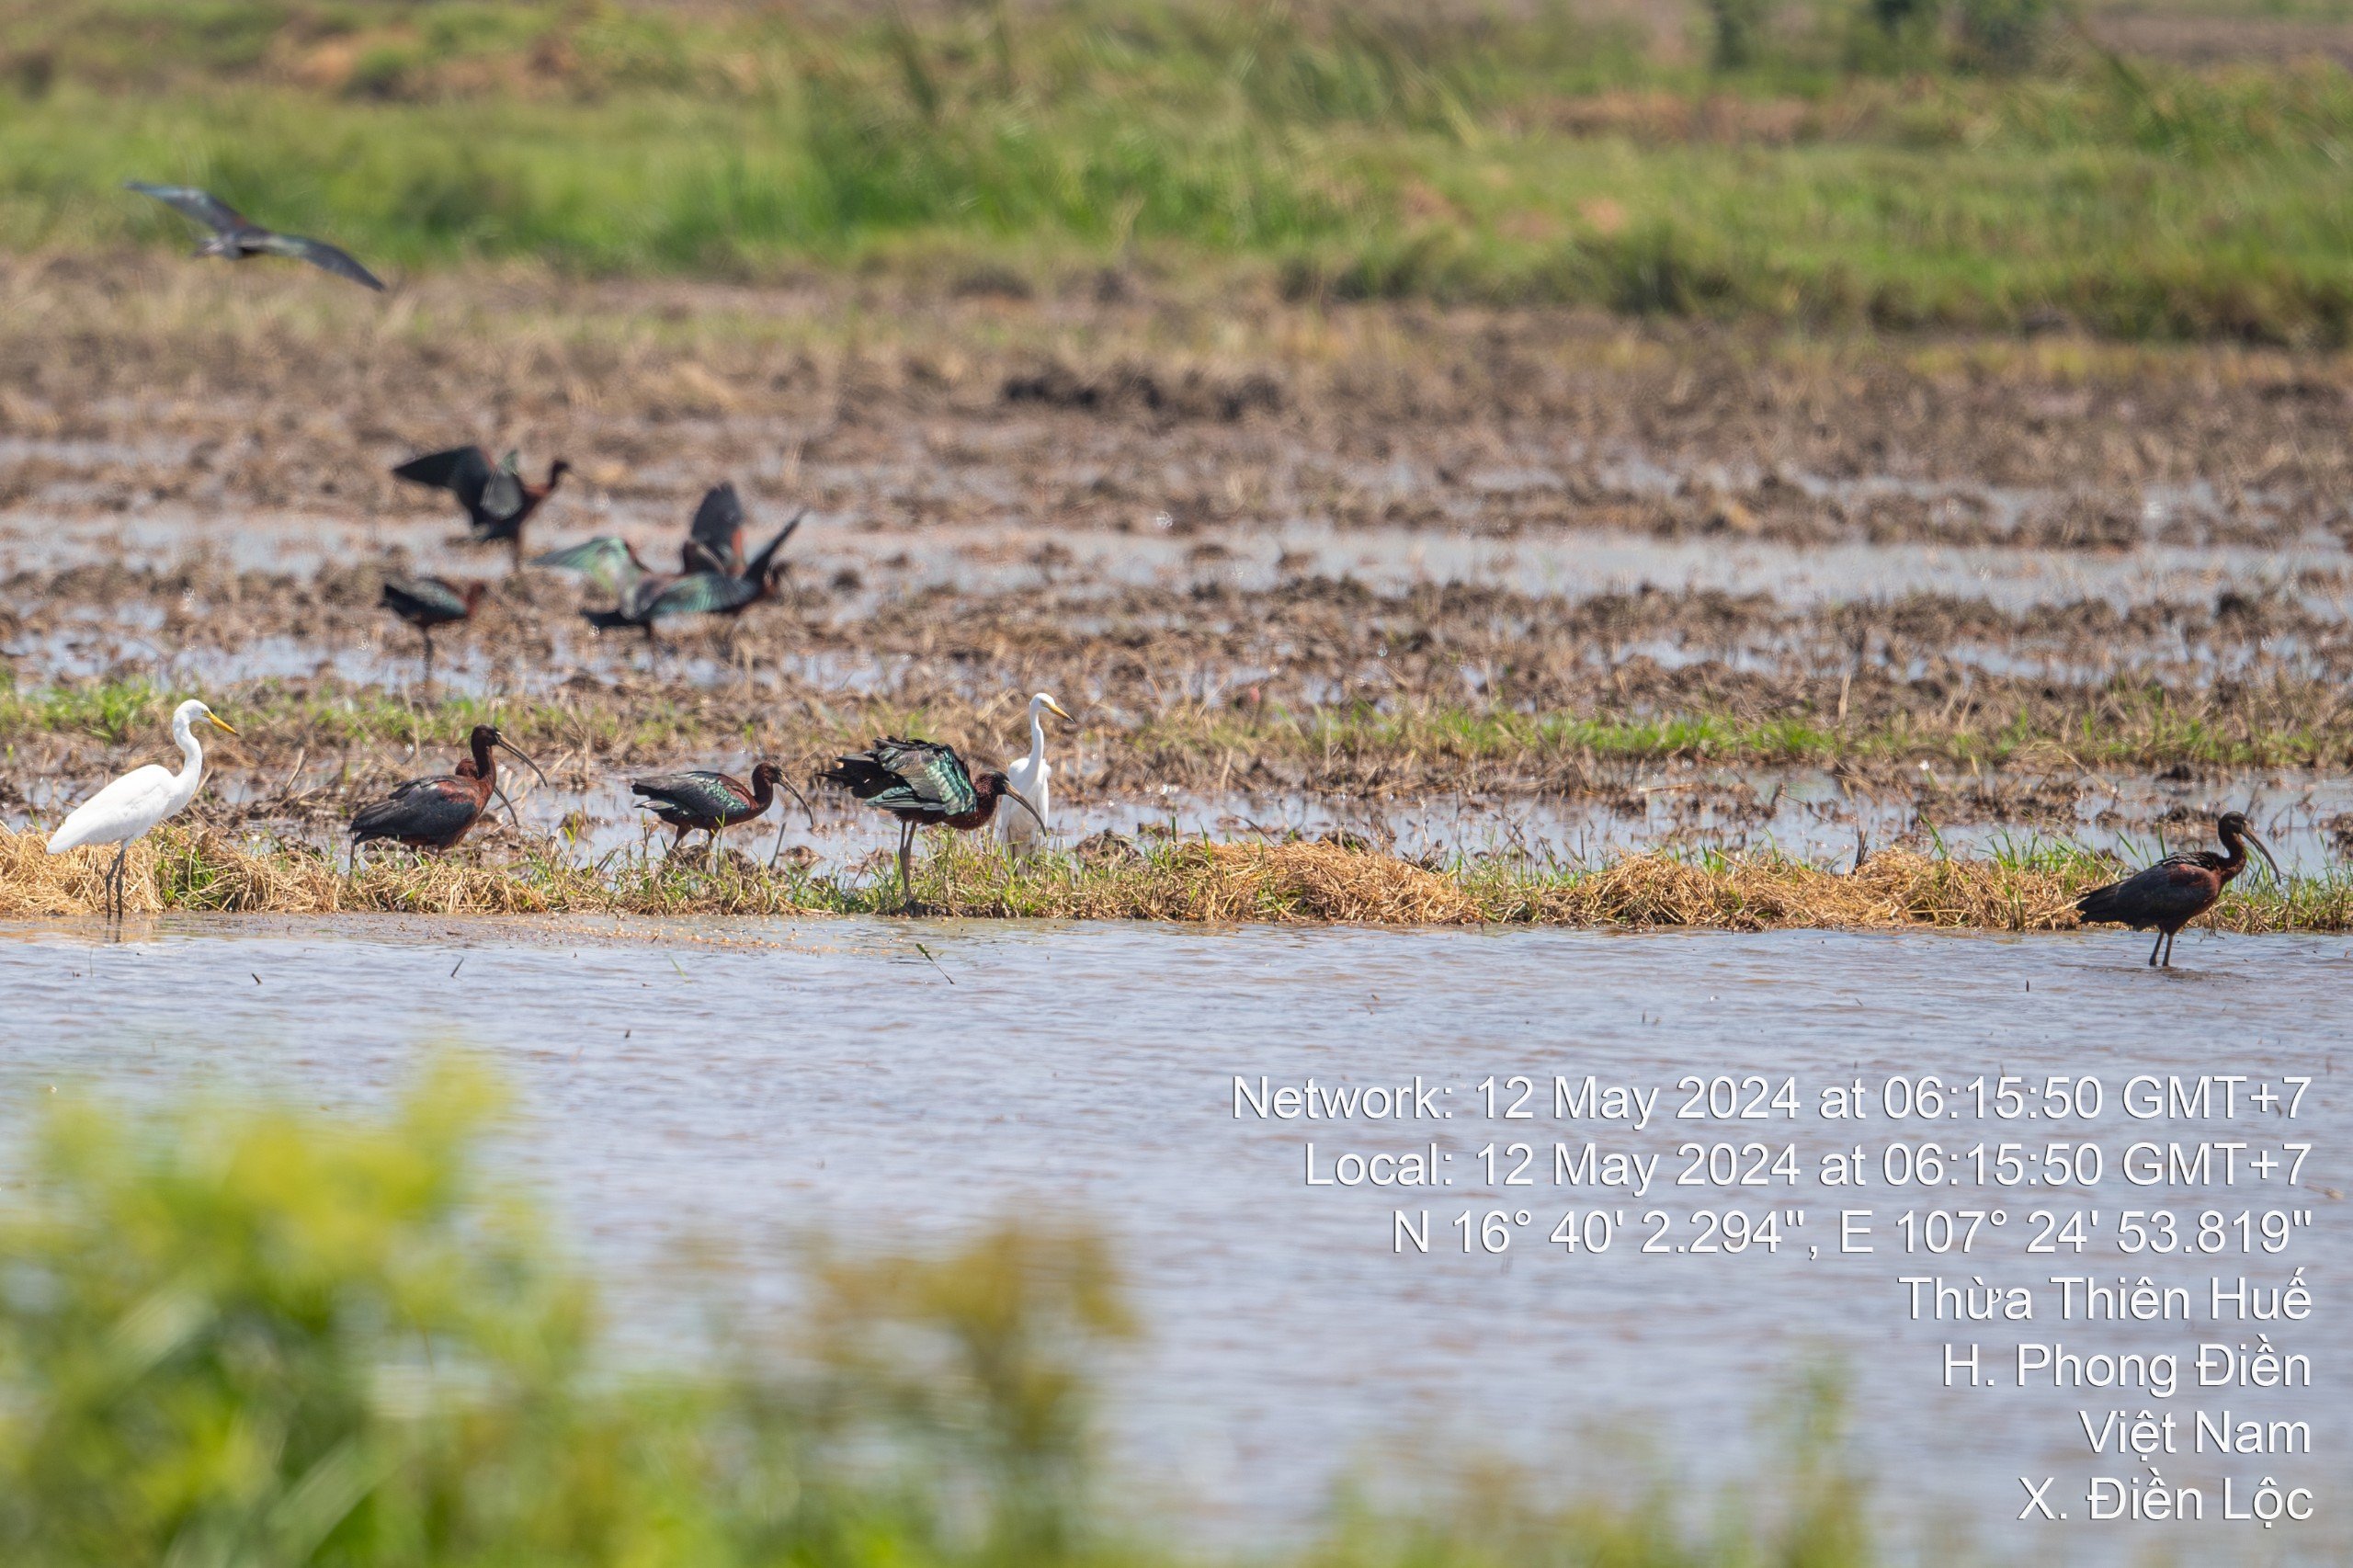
{"type": "Point", "coordinates": [275, 1337]}
{"type": "Point", "coordinates": [1516, 156]}
{"type": "Point", "coordinates": [1189, 880]}
{"type": "Point", "coordinates": [1365, 748]}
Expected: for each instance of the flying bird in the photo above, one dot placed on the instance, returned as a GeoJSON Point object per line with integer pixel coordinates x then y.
{"type": "Point", "coordinates": [2176, 890]}
{"type": "Point", "coordinates": [497, 498]}
{"type": "Point", "coordinates": [435, 814]}
{"type": "Point", "coordinates": [1032, 777]}
{"type": "Point", "coordinates": [921, 783]}
{"type": "Point", "coordinates": [714, 802]}
{"type": "Point", "coordinates": [236, 237]}
{"type": "Point", "coordinates": [428, 602]}
{"type": "Point", "coordinates": [124, 812]}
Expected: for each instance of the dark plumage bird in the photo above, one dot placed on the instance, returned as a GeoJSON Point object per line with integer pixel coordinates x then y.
{"type": "Point", "coordinates": [497, 498]}
{"type": "Point", "coordinates": [714, 802]}
{"type": "Point", "coordinates": [428, 602]}
{"type": "Point", "coordinates": [435, 814]}
{"type": "Point", "coordinates": [236, 237]}
{"type": "Point", "coordinates": [921, 783]}
{"type": "Point", "coordinates": [2176, 890]}
{"type": "Point", "coordinates": [647, 596]}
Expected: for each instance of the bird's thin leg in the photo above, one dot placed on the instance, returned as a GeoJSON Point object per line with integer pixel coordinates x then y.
{"type": "Point", "coordinates": [121, 880]}
{"type": "Point", "coordinates": [2169, 937]}
{"type": "Point", "coordinates": [427, 633]}
{"type": "Point", "coordinates": [906, 873]}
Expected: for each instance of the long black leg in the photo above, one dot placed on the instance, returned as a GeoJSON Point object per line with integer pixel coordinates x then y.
{"type": "Point", "coordinates": [906, 876]}
{"type": "Point", "coordinates": [2169, 937]}
{"type": "Point", "coordinates": [122, 877]}
{"type": "Point", "coordinates": [2155, 951]}
{"type": "Point", "coordinates": [426, 632]}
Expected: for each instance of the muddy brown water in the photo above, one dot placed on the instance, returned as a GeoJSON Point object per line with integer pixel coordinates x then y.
{"type": "Point", "coordinates": [725, 1084]}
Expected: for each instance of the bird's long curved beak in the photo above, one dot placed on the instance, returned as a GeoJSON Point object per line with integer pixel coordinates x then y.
{"type": "Point", "coordinates": [506, 746]}
{"type": "Point", "coordinates": [1055, 708]}
{"type": "Point", "coordinates": [2261, 850]}
{"type": "Point", "coordinates": [805, 806]}
{"type": "Point", "coordinates": [1019, 799]}
{"type": "Point", "coordinates": [220, 725]}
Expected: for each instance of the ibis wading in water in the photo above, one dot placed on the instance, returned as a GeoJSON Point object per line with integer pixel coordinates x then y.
{"type": "Point", "coordinates": [435, 814]}
{"type": "Point", "coordinates": [125, 810]}
{"type": "Point", "coordinates": [428, 602]}
{"type": "Point", "coordinates": [714, 802]}
{"type": "Point", "coordinates": [2176, 890]}
{"type": "Point", "coordinates": [236, 237]}
{"type": "Point", "coordinates": [1031, 778]}
{"type": "Point", "coordinates": [497, 498]}
{"type": "Point", "coordinates": [921, 782]}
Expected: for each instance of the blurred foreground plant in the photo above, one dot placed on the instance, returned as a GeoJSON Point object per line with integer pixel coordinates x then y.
{"type": "Point", "coordinates": [263, 1338]}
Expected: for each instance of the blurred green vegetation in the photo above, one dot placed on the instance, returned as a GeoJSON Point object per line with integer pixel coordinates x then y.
{"type": "Point", "coordinates": [1973, 162]}
{"type": "Point", "coordinates": [269, 1338]}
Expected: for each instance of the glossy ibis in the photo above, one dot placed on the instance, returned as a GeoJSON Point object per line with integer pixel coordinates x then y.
{"type": "Point", "coordinates": [125, 810]}
{"type": "Point", "coordinates": [646, 597]}
{"type": "Point", "coordinates": [236, 237]}
{"type": "Point", "coordinates": [2176, 890]}
{"type": "Point", "coordinates": [428, 602]}
{"type": "Point", "coordinates": [921, 783]}
{"type": "Point", "coordinates": [435, 814]}
{"type": "Point", "coordinates": [497, 498]}
{"type": "Point", "coordinates": [714, 802]}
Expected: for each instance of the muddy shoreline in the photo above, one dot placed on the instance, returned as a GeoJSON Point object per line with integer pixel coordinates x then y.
{"type": "Point", "coordinates": [1269, 553]}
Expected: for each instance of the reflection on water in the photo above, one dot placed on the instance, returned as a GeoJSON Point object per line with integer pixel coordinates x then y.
{"type": "Point", "coordinates": [738, 1081]}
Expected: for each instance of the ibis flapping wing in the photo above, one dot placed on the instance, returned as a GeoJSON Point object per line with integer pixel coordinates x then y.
{"type": "Point", "coordinates": [464, 471]}
{"type": "Point", "coordinates": [607, 560]}
{"type": "Point", "coordinates": [761, 564]}
{"type": "Point", "coordinates": [917, 777]}
{"type": "Point", "coordinates": [715, 540]}
{"type": "Point", "coordinates": [202, 205]}
{"type": "Point", "coordinates": [318, 252]}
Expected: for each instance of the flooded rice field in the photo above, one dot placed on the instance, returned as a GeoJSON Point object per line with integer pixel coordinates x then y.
{"type": "Point", "coordinates": [707, 1085]}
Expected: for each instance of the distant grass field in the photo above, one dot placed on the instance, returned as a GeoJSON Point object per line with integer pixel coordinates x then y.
{"type": "Point", "coordinates": [1446, 154]}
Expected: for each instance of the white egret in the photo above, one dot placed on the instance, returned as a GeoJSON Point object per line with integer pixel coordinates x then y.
{"type": "Point", "coordinates": [125, 810]}
{"type": "Point", "coordinates": [1032, 777]}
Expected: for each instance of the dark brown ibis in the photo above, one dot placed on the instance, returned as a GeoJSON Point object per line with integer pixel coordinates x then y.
{"type": "Point", "coordinates": [236, 237]}
{"type": "Point", "coordinates": [714, 802]}
{"type": "Point", "coordinates": [647, 598]}
{"type": "Point", "coordinates": [497, 498]}
{"type": "Point", "coordinates": [435, 814]}
{"type": "Point", "coordinates": [2176, 890]}
{"type": "Point", "coordinates": [922, 783]}
{"type": "Point", "coordinates": [428, 602]}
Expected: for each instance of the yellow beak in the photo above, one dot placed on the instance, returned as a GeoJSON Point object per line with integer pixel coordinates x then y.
{"type": "Point", "coordinates": [222, 725]}
{"type": "Point", "coordinates": [1056, 707]}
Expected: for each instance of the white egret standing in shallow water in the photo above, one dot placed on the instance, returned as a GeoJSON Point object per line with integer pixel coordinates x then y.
{"type": "Point", "coordinates": [1031, 777]}
{"type": "Point", "coordinates": [126, 808]}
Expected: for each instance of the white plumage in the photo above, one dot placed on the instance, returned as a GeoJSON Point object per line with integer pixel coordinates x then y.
{"type": "Point", "coordinates": [1031, 778]}
{"type": "Point", "coordinates": [125, 810]}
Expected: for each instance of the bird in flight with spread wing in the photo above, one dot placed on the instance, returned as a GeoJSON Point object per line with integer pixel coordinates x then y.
{"type": "Point", "coordinates": [236, 237]}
